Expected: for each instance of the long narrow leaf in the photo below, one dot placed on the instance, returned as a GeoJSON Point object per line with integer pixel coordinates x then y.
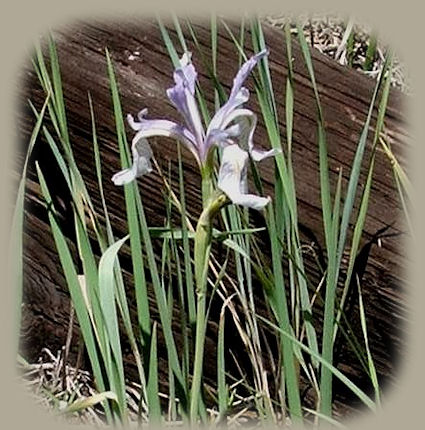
{"type": "Point", "coordinates": [107, 297]}
{"type": "Point", "coordinates": [338, 374]}
{"type": "Point", "coordinates": [74, 289]}
{"type": "Point", "coordinates": [16, 255]}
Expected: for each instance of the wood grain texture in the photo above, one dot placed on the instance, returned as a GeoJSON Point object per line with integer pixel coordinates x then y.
{"type": "Point", "coordinates": [144, 72]}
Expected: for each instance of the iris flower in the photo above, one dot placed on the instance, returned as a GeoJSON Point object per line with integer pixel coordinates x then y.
{"type": "Point", "coordinates": [231, 128]}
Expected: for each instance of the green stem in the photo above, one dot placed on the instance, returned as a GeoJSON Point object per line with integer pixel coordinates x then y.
{"type": "Point", "coordinates": [212, 205]}
{"type": "Point", "coordinates": [207, 184]}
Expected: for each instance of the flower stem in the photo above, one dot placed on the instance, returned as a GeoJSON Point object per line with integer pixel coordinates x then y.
{"type": "Point", "coordinates": [203, 236]}
{"type": "Point", "coordinates": [207, 185]}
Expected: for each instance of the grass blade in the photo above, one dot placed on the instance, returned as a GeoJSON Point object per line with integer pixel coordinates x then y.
{"type": "Point", "coordinates": [372, 370]}
{"type": "Point", "coordinates": [370, 52]}
{"type": "Point", "coordinates": [153, 390]}
{"type": "Point", "coordinates": [107, 298]}
{"type": "Point", "coordinates": [223, 395]}
{"type": "Point", "coordinates": [138, 230]}
{"type": "Point", "coordinates": [337, 373]}
{"type": "Point", "coordinates": [16, 251]}
{"type": "Point", "coordinates": [130, 193]}
{"type": "Point", "coordinates": [281, 307]}
{"type": "Point", "coordinates": [88, 402]}
{"type": "Point", "coordinates": [75, 290]}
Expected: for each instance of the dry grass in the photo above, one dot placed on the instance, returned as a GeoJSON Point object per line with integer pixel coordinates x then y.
{"type": "Point", "coordinates": [54, 385]}
{"type": "Point", "coordinates": [328, 34]}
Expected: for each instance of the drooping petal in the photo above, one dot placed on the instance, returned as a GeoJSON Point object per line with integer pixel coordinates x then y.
{"type": "Point", "coordinates": [220, 137]}
{"type": "Point", "coordinates": [258, 154]}
{"type": "Point", "coordinates": [232, 179]}
{"type": "Point", "coordinates": [162, 127]}
{"type": "Point", "coordinates": [142, 153]}
{"type": "Point", "coordinates": [182, 95]}
{"type": "Point", "coordinates": [247, 121]}
{"type": "Point", "coordinates": [250, 201]}
{"type": "Point", "coordinates": [141, 149]}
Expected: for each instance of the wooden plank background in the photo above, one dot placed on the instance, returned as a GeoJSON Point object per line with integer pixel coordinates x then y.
{"type": "Point", "coordinates": [144, 72]}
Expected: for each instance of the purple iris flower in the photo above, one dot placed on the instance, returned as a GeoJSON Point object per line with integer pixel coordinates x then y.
{"type": "Point", "coordinates": [230, 125]}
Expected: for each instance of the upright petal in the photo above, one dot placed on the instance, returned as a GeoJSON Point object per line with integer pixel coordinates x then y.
{"type": "Point", "coordinates": [221, 138]}
{"type": "Point", "coordinates": [182, 95]}
{"type": "Point", "coordinates": [245, 70]}
{"type": "Point", "coordinates": [232, 179]}
{"type": "Point", "coordinates": [238, 96]}
{"type": "Point", "coordinates": [186, 72]}
{"type": "Point", "coordinates": [232, 103]}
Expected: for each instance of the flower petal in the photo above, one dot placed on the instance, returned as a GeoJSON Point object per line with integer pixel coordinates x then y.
{"type": "Point", "coordinates": [162, 127]}
{"type": "Point", "coordinates": [182, 97]}
{"type": "Point", "coordinates": [238, 94]}
{"type": "Point", "coordinates": [232, 103]}
{"type": "Point", "coordinates": [141, 149]}
{"type": "Point", "coordinates": [142, 153]}
{"type": "Point", "coordinates": [232, 179]}
{"type": "Point", "coordinates": [245, 70]}
{"type": "Point", "coordinates": [224, 138]}
{"type": "Point", "coordinates": [258, 155]}
{"type": "Point", "coordinates": [186, 73]}
{"type": "Point", "coordinates": [250, 201]}
{"type": "Point", "coordinates": [247, 121]}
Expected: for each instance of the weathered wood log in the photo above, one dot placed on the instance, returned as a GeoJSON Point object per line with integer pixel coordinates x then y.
{"type": "Point", "coordinates": [144, 72]}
